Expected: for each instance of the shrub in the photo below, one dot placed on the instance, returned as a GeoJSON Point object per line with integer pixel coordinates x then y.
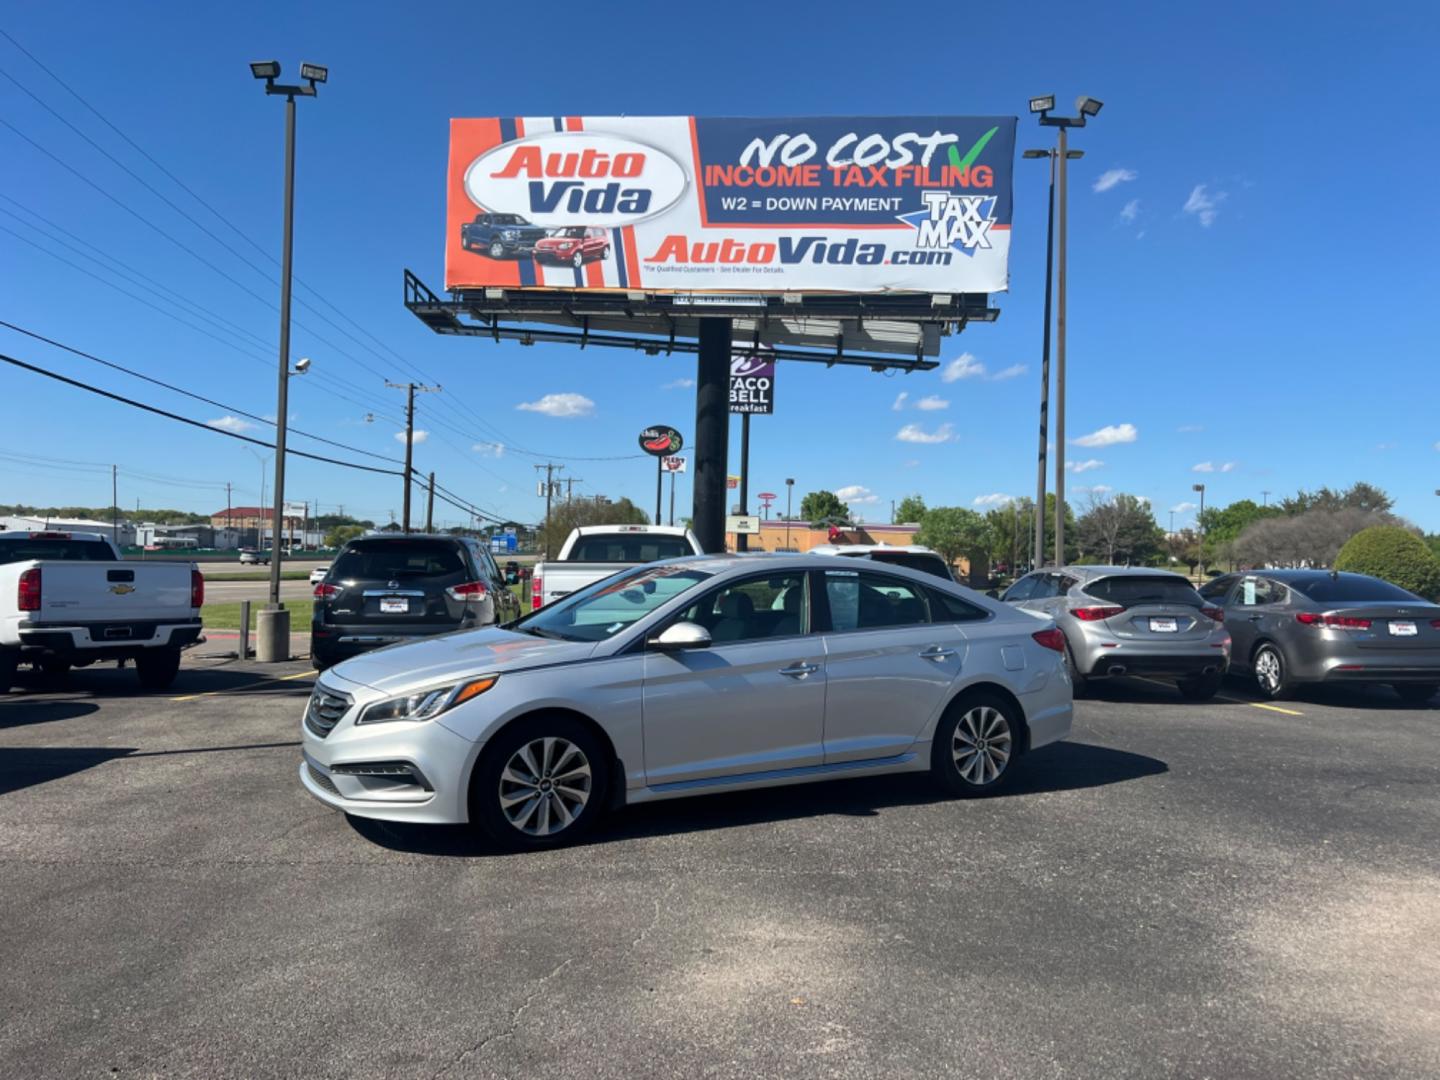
{"type": "Point", "coordinates": [1394, 554]}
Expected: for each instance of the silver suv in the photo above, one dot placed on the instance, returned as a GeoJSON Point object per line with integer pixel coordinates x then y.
{"type": "Point", "coordinates": [1130, 620]}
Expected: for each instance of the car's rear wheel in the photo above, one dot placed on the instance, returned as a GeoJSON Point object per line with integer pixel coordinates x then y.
{"type": "Point", "coordinates": [157, 668]}
{"type": "Point", "coordinates": [975, 745]}
{"type": "Point", "coordinates": [542, 782]}
{"type": "Point", "coordinates": [1272, 673]}
{"type": "Point", "coordinates": [497, 250]}
{"type": "Point", "coordinates": [9, 661]}
{"type": "Point", "coordinates": [1078, 683]}
{"type": "Point", "coordinates": [1200, 687]}
{"type": "Point", "coordinates": [54, 667]}
{"type": "Point", "coordinates": [1416, 693]}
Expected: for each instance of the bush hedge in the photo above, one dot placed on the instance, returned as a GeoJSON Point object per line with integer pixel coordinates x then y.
{"type": "Point", "coordinates": [1394, 554]}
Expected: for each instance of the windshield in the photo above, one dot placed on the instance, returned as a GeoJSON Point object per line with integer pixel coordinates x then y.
{"type": "Point", "coordinates": [508, 219]}
{"type": "Point", "coordinates": [600, 611]}
{"type": "Point", "coordinates": [1137, 589]}
{"type": "Point", "coordinates": [628, 548]}
{"type": "Point", "coordinates": [23, 549]}
{"type": "Point", "coordinates": [928, 564]}
{"type": "Point", "coordinates": [570, 232]}
{"type": "Point", "coordinates": [1330, 590]}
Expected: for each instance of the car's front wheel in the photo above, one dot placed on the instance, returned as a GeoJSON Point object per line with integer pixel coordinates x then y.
{"type": "Point", "coordinates": [541, 783]}
{"type": "Point", "coordinates": [1272, 673]}
{"type": "Point", "coordinates": [577, 260]}
{"type": "Point", "coordinates": [975, 745]}
{"type": "Point", "coordinates": [497, 250]}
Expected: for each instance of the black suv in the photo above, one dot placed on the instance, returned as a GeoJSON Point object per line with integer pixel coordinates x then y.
{"type": "Point", "coordinates": [501, 236]}
{"type": "Point", "coordinates": [385, 589]}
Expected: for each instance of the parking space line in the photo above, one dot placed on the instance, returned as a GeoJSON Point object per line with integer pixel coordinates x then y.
{"type": "Point", "coordinates": [262, 682]}
{"type": "Point", "coordinates": [1273, 708]}
{"type": "Point", "coordinates": [1227, 700]}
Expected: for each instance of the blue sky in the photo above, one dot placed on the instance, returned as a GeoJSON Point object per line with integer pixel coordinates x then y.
{"type": "Point", "coordinates": [1252, 246]}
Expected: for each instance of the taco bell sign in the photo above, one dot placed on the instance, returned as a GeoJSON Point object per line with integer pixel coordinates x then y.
{"type": "Point", "coordinates": [752, 382]}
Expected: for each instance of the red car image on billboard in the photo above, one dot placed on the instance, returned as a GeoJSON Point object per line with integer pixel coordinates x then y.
{"type": "Point", "coordinates": [574, 245]}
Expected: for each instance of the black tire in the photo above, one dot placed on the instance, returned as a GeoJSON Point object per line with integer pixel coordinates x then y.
{"type": "Point", "coordinates": [54, 668]}
{"type": "Point", "coordinates": [497, 249]}
{"type": "Point", "coordinates": [577, 260]}
{"type": "Point", "coordinates": [9, 661]}
{"type": "Point", "coordinates": [605, 253]}
{"type": "Point", "coordinates": [488, 783]}
{"type": "Point", "coordinates": [1079, 684]}
{"type": "Point", "coordinates": [1200, 687]}
{"type": "Point", "coordinates": [980, 732]}
{"type": "Point", "coordinates": [1416, 693]}
{"type": "Point", "coordinates": [1274, 682]}
{"type": "Point", "coordinates": [157, 668]}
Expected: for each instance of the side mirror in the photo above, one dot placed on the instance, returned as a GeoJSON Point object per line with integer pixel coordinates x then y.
{"type": "Point", "coordinates": [681, 635]}
{"type": "Point", "coordinates": [993, 594]}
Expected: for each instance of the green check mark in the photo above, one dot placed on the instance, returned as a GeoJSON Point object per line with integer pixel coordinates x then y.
{"type": "Point", "coordinates": [969, 159]}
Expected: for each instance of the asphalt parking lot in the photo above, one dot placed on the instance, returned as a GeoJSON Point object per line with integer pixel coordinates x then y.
{"type": "Point", "coordinates": [1223, 890]}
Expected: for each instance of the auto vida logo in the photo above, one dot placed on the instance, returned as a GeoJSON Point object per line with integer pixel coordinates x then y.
{"type": "Point", "coordinates": [576, 178]}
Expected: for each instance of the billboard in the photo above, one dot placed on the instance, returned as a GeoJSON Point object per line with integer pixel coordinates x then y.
{"type": "Point", "coordinates": [682, 204]}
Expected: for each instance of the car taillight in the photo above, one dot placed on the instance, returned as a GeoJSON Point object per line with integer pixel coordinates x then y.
{"type": "Point", "coordinates": [1435, 624]}
{"type": "Point", "coordinates": [1215, 614]}
{"type": "Point", "coordinates": [197, 588]}
{"type": "Point", "coordinates": [471, 590]}
{"type": "Point", "coordinates": [29, 594]}
{"type": "Point", "coordinates": [1337, 622]}
{"type": "Point", "coordinates": [1095, 614]}
{"type": "Point", "coordinates": [325, 592]}
{"type": "Point", "coordinates": [537, 593]}
{"type": "Point", "coordinates": [1051, 639]}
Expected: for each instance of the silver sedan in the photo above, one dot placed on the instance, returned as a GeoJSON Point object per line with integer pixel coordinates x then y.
{"type": "Point", "coordinates": [683, 677]}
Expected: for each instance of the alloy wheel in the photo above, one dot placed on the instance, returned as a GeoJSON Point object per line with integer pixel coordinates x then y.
{"type": "Point", "coordinates": [982, 745]}
{"type": "Point", "coordinates": [1267, 670]}
{"type": "Point", "coordinates": [545, 786]}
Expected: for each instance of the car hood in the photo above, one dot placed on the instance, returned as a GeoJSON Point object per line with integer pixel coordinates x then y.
{"type": "Point", "coordinates": [461, 655]}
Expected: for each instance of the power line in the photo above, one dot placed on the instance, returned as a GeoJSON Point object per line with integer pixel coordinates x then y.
{"type": "Point", "coordinates": [188, 420]}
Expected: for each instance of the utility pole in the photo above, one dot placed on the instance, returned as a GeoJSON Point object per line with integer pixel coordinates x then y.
{"type": "Point", "coordinates": [430, 507]}
{"type": "Point", "coordinates": [570, 482]}
{"type": "Point", "coordinates": [550, 468]}
{"type": "Point", "coordinates": [228, 531]}
{"type": "Point", "coordinates": [892, 511]}
{"type": "Point", "coordinates": [410, 389]}
{"type": "Point", "coordinates": [1265, 495]}
{"type": "Point", "coordinates": [115, 503]}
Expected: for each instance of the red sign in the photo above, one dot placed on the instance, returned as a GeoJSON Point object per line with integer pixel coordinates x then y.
{"type": "Point", "coordinates": [767, 495]}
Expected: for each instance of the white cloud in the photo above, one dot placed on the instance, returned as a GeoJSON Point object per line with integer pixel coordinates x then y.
{"type": "Point", "coordinates": [1184, 507]}
{"type": "Point", "coordinates": [1187, 428]}
{"type": "Point", "coordinates": [997, 499]}
{"type": "Point", "coordinates": [679, 384]}
{"type": "Point", "coordinates": [1109, 435]}
{"type": "Point", "coordinates": [1130, 211]}
{"type": "Point", "coordinates": [856, 495]}
{"type": "Point", "coordinates": [963, 367]}
{"type": "Point", "coordinates": [1010, 372]}
{"type": "Point", "coordinates": [1437, 446]}
{"type": "Point", "coordinates": [1204, 205]}
{"type": "Point", "coordinates": [913, 462]}
{"type": "Point", "coordinates": [420, 436]}
{"type": "Point", "coordinates": [931, 403]}
{"type": "Point", "coordinates": [1204, 466]}
{"type": "Point", "coordinates": [914, 433]}
{"type": "Point", "coordinates": [1230, 466]}
{"type": "Point", "coordinates": [900, 400]}
{"type": "Point", "coordinates": [1210, 467]}
{"type": "Point", "coordinates": [1387, 446]}
{"type": "Point", "coordinates": [562, 405]}
{"type": "Point", "coordinates": [230, 423]}
{"type": "Point", "coordinates": [1113, 177]}
{"type": "Point", "coordinates": [1100, 489]}
{"type": "Point", "coordinates": [489, 449]}
{"type": "Point", "coordinates": [1083, 466]}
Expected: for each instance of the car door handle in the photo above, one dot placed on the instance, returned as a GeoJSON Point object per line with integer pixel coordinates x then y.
{"type": "Point", "coordinates": [936, 652]}
{"type": "Point", "coordinates": [799, 671]}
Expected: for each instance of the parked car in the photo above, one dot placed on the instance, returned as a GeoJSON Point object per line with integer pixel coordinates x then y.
{"type": "Point", "coordinates": [682, 678]}
{"type": "Point", "coordinates": [386, 589]}
{"type": "Point", "coordinates": [251, 557]}
{"type": "Point", "coordinates": [592, 552]}
{"type": "Point", "coordinates": [318, 574]}
{"type": "Point", "coordinates": [1293, 627]}
{"type": "Point", "coordinates": [573, 244]}
{"type": "Point", "coordinates": [500, 236]}
{"type": "Point", "coordinates": [512, 573]}
{"type": "Point", "coordinates": [1125, 620]}
{"type": "Point", "coordinates": [911, 555]}
{"type": "Point", "coordinates": [68, 599]}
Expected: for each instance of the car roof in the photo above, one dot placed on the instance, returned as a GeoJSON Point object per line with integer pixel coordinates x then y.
{"type": "Point", "coordinates": [729, 564]}
{"type": "Point", "coordinates": [1296, 577]}
{"type": "Point", "coordinates": [1091, 573]}
{"type": "Point", "coordinates": [872, 549]}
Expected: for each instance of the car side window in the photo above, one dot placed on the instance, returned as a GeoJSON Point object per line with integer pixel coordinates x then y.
{"type": "Point", "coordinates": [1257, 592]}
{"type": "Point", "coordinates": [1046, 587]}
{"type": "Point", "coordinates": [753, 609]}
{"type": "Point", "coordinates": [864, 601]}
{"type": "Point", "coordinates": [1065, 584]}
{"type": "Point", "coordinates": [1021, 590]}
{"type": "Point", "coordinates": [947, 608]}
{"type": "Point", "coordinates": [1216, 590]}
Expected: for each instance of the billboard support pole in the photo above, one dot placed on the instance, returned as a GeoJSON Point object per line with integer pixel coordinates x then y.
{"type": "Point", "coordinates": [712, 431]}
{"type": "Point", "coordinates": [672, 498]}
{"type": "Point", "coordinates": [742, 540]}
{"type": "Point", "coordinates": [659, 489]}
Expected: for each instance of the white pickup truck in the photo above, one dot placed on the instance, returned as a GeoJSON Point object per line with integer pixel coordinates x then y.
{"type": "Point", "coordinates": [593, 552]}
{"type": "Point", "coordinates": [67, 600]}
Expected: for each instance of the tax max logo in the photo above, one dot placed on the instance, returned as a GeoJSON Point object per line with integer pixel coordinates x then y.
{"type": "Point", "coordinates": [962, 222]}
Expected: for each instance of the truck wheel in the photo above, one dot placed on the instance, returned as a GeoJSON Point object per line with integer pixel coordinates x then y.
{"type": "Point", "coordinates": [54, 667]}
{"type": "Point", "coordinates": [497, 249]}
{"type": "Point", "coordinates": [9, 661]}
{"type": "Point", "coordinates": [157, 668]}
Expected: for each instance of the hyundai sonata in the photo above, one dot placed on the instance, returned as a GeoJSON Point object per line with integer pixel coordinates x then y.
{"type": "Point", "coordinates": [692, 675]}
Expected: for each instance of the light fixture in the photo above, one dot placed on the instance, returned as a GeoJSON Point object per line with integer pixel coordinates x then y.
{"type": "Point", "coordinates": [1198, 487]}
{"type": "Point", "coordinates": [1042, 104]}
{"type": "Point", "coordinates": [265, 69]}
{"type": "Point", "coordinates": [1036, 153]}
{"type": "Point", "coordinates": [1088, 106]}
{"type": "Point", "coordinates": [314, 72]}
{"type": "Point", "coordinates": [302, 365]}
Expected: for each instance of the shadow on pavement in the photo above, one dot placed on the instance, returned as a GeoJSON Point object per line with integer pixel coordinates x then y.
{"type": "Point", "coordinates": [1242, 689]}
{"type": "Point", "coordinates": [1066, 766]}
{"type": "Point", "coordinates": [109, 681]}
{"type": "Point", "coordinates": [18, 712]}
{"type": "Point", "coordinates": [26, 766]}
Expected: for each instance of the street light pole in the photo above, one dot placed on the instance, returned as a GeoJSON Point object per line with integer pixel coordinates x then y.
{"type": "Point", "coordinates": [789, 490]}
{"type": "Point", "coordinates": [1200, 520]}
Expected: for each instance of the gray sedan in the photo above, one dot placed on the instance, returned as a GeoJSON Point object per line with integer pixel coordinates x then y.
{"type": "Point", "coordinates": [685, 677]}
{"type": "Point", "coordinates": [1316, 626]}
{"type": "Point", "coordinates": [1130, 620]}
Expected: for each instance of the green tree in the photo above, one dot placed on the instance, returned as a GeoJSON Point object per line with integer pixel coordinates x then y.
{"type": "Point", "coordinates": [572, 514]}
{"type": "Point", "coordinates": [1120, 529]}
{"type": "Point", "coordinates": [1358, 496]}
{"type": "Point", "coordinates": [911, 510]}
{"type": "Point", "coordinates": [1223, 525]}
{"type": "Point", "coordinates": [822, 508]}
{"type": "Point", "coordinates": [1394, 554]}
{"type": "Point", "coordinates": [954, 532]}
{"type": "Point", "coordinates": [340, 535]}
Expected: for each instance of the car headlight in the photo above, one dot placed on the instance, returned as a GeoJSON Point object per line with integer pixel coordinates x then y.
{"type": "Point", "coordinates": [425, 704]}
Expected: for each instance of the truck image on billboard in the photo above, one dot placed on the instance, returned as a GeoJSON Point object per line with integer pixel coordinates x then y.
{"type": "Point", "coordinates": [686, 204]}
